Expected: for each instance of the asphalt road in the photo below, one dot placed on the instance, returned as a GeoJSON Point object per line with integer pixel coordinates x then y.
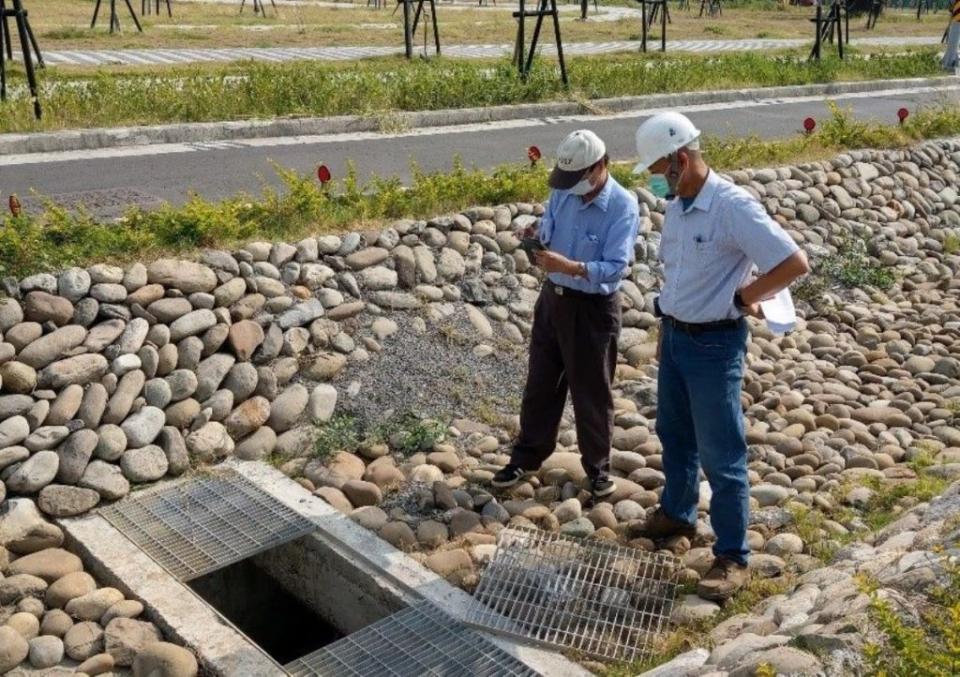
{"type": "Point", "coordinates": [109, 180]}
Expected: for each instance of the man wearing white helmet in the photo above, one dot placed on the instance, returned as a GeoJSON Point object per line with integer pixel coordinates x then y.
{"type": "Point", "coordinates": [714, 233]}
{"type": "Point", "coordinates": [585, 243]}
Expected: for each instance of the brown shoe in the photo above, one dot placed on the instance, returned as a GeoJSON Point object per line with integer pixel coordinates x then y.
{"type": "Point", "coordinates": [723, 581]}
{"type": "Point", "coordinates": [660, 526]}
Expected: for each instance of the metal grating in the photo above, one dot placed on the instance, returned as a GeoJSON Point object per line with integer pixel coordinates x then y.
{"type": "Point", "coordinates": [598, 598]}
{"type": "Point", "coordinates": [203, 524]}
{"type": "Point", "coordinates": [419, 641]}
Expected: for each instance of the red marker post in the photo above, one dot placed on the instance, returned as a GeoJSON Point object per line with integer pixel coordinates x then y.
{"type": "Point", "coordinates": [809, 125]}
{"type": "Point", "coordinates": [323, 175]}
{"type": "Point", "coordinates": [534, 155]}
{"type": "Point", "coordinates": [902, 115]}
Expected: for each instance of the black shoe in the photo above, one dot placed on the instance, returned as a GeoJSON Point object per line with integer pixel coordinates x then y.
{"type": "Point", "coordinates": [601, 486]}
{"type": "Point", "coordinates": [508, 475]}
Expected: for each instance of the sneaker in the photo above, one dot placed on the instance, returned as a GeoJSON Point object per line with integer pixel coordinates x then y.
{"type": "Point", "coordinates": [723, 581]}
{"type": "Point", "coordinates": [601, 486]}
{"type": "Point", "coordinates": [660, 526]}
{"type": "Point", "coordinates": [508, 476]}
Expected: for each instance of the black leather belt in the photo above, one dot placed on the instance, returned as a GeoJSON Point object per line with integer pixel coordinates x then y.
{"type": "Point", "coordinates": [567, 292]}
{"type": "Point", "coordinates": [700, 327]}
{"type": "Point", "coordinates": [694, 327]}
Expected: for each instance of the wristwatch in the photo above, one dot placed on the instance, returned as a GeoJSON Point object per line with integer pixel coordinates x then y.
{"type": "Point", "coordinates": [582, 270]}
{"type": "Point", "coordinates": [738, 301]}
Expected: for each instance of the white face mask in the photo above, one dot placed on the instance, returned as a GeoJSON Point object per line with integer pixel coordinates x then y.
{"type": "Point", "coordinates": [582, 188]}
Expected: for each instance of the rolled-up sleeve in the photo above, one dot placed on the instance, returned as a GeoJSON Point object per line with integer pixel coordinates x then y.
{"type": "Point", "coordinates": [757, 235]}
{"type": "Point", "coordinates": [618, 246]}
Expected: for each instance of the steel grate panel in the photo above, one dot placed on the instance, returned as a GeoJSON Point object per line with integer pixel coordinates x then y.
{"type": "Point", "coordinates": [206, 523]}
{"type": "Point", "coordinates": [602, 599]}
{"type": "Point", "coordinates": [419, 641]}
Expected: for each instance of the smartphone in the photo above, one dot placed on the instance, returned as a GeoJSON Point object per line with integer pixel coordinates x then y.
{"type": "Point", "coordinates": [531, 245]}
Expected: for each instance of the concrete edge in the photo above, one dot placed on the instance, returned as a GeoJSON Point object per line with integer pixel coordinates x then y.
{"type": "Point", "coordinates": [182, 615]}
{"type": "Point", "coordinates": [95, 139]}
{"type": "Point", "coordinates": [414, 581]}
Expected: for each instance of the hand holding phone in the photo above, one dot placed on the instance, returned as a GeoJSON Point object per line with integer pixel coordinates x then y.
{"type": "Point", "coordinates": [531, 245]}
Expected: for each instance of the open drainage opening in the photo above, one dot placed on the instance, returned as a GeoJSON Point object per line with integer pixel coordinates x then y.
{"type": "Point", "coordinates": [279, 622]}
{"type": "Point", "coordinates": [303, 596]}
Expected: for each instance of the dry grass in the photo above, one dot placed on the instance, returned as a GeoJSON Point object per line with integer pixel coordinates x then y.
{"type": "Point", "coordinates": [64, 24]}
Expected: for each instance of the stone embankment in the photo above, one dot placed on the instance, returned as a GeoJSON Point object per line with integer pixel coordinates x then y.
{"type": "Point", "coordinates": [112, 377]}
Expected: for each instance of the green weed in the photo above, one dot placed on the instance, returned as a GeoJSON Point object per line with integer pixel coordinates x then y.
{"type": "Point", "coordinates": [931, 647]}
{"type": "Point", "coordinates": [951, 243]}
{"type": "Point", "coordinates": [408, 433]}
{"type": "Point", "coordinates": [851, 267]}
{"type": "Point", "coordinates": [341, 433]}
{"type": "Point", "coordinates": [258, 90]}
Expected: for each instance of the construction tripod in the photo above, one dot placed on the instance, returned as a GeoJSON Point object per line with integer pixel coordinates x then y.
{"type": "Point", "coordinates": [28, 47]}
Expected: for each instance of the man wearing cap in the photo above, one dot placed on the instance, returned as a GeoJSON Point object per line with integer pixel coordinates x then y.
{"type": "Point", "coordinates": [714, 233]}
{"type": "Point", "coordinates": [588, 232]}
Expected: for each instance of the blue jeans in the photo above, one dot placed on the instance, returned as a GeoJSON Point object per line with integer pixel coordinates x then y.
{"type": "Point", "coordinates": [700, 423]}
{"type": "Point", "coordinates": [951, 58]}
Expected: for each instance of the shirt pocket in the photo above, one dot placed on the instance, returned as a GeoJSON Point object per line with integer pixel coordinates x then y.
{"type": "Point", "coordinates": [589, 247]}
{"type": "Point", "coordinates": [706, 251]}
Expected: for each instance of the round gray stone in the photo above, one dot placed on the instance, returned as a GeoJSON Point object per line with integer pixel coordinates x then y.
{"type": "Point", "coordinates": [146, 464]}
{"type": "Point", "coordinates": [143, 427]}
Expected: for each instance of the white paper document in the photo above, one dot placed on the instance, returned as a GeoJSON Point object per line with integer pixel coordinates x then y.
{"type": "Point", "coordinates": [779, 313]}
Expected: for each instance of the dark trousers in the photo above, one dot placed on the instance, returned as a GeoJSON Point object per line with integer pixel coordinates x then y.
{"type": "Point", "coordinates": [573, 347]}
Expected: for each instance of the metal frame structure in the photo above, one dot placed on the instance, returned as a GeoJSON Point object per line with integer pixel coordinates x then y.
{"type": "Point", "coordinates": [598, 598]}
{"type": "Point", "coordinates": [544, 8]}
{"type": "Point", "coordinates": [658, 8]}
{"type": "Point", "coordinates": [28, 47]}
{"type": "Point", "coordinates": [259, 7]}
{"type": "Point", "coordinates": [711, 7]}
{"type": "Point", "coordinates": [114, 18]}
{"type": "Point", "coordinates": [835, 28]}
{"type": "Point", "coordinates": [202, 524]}
{"type": "Point", "coordinates": [418, 641]}
{"type": "Point", "coordinates": [410, 27]}
{"type": "Point", "coordinates": [145, 7]}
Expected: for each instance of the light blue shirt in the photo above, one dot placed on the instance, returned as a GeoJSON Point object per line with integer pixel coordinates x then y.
{"type": "Point", "coordinates": [600, 233]}
{"type": "Point", "coordinates": [709, 250]}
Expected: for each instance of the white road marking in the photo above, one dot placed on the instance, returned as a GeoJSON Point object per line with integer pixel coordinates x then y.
{"type": "Point", "coordinates": [320, 139]}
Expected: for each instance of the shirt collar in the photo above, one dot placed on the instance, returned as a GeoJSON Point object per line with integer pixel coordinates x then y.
{"type": "Point", "coordinates": [705, 197]}
{"type": "Point", "coordinates": [602, 200]}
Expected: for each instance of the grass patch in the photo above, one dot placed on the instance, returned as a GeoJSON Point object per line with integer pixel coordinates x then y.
{"type": "Point", "coordinates": [850, 267]}
{"type": "Point", "coordinates": [221, 25]}
{"type": "Point", "coordinates": [408, 433]}
{"type": "Point", "coordinates": [930, 647]}
{"type": "Point", "coordinates": [262, 90]}
{"type": "Point", "coordinates": [665, 648]}
{"type": "Point", "coordinates": [951, 243]}
{"type": "Point", "coordinates": [341, 433]}
{"type": "Point", "coordinates": [58, 238]}
{"type": "Point", "coordinates": [885, 504]}
{"type": "Point", "coordinates": [405, 432]}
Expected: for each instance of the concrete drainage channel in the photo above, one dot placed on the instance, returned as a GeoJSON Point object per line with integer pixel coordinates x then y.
{"type": "Point", "coordinates": [260, 577]}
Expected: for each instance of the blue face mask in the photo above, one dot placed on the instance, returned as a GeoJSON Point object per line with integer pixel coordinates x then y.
{"type": "Point", "coordinates": [659, 186]}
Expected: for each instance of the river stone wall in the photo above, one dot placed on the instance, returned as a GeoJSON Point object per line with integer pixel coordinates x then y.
{"type": "Point", "coordinates": [115, 376]}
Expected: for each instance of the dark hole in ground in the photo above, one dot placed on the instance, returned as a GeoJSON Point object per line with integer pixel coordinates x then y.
{"type": "Point", "coordinates": [264, 611]}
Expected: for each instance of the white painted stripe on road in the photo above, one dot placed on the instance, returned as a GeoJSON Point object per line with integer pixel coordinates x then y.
{"type": "Point", "coordinates": [319, 139]}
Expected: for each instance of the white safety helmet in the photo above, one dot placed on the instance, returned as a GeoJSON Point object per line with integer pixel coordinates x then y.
{"type": "Point", "coordinates": [663, 134]}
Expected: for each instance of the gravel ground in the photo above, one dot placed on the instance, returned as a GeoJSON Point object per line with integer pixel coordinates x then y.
{"type": "Point", "coordinates": [434, 373]}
